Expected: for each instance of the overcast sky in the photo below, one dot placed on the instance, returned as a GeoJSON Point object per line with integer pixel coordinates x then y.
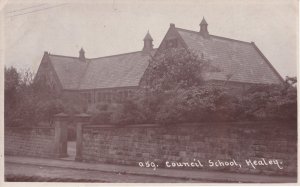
{"type": "Point", "coordinates": [116, 26]}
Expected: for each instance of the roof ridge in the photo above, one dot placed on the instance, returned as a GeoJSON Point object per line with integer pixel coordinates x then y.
{"type": "Point", "coordinates": [194, 32]}
{"type": "Point", "coordinates": [65, 56]}
{"type": "Point", "coordinates": [116, 55]}
{"type": "Point", "coordinates": [98, 57]}
{"type": "Point", "coordinates": [221, 37]}
{"type": "Point", "coordinates": [234, 40]}
{"type": "Point", "coordinates": [119, 54]}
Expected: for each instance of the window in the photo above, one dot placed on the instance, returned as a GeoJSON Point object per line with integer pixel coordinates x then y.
{"type": "Point", "coordinates": [123, 95]}
{"type": "Point", "coordinates": [108, 97]}
{"type": "Point", "coordinates": [111, 96]}
{"type": "Point", "coordinates": [104, 96]}
{"type": "Point", "coordinates": [171, 43]}
{"type": "Point", "coordinates": [130, 93]}
{"type": "Point", "coordinates": [100, 97]}
{"type": "Point", "coordinates": [118, 96]}
{"type": "Point", "coordinates": [87, 97]}
{"type": "Point", "coordinates": [126, 94]}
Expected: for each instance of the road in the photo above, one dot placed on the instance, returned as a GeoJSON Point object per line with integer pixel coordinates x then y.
{"type": "Point", "coordinates": [45, 169]}
{"type": "Point", "coordinates": [31, 173]}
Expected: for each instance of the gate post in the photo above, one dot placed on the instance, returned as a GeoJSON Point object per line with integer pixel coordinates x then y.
{"type": "Point", "coordinates": [60, 123]}
{"type": "Point", "coordinates": [80, 119]}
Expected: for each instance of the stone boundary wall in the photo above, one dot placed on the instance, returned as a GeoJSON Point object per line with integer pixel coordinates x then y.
{"type": "Point", "coordinates": [29, 141]}
{"type": "Point", "coordinates": [131, 145]}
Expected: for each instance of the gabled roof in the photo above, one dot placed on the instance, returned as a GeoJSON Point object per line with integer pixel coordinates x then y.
{"type": "Point", "coordinates": [236, 61]}
{"type": "Point", "coordinates": [124, 70]}
{"type": "Point", "coordinates": [69, 70]}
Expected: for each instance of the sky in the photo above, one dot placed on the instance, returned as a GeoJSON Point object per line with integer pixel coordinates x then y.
{"type": "Point", "coordinates": [112, 27]}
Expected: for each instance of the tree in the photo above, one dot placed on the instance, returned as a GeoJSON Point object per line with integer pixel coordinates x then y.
{"type": "Point", "coordinates": [12, 82]}
{"type": "Point", "coordinates": [28, 102]}
{"type": "Point", "coordinates": [176, 91]}
{"type": "Point", "coordinates": [11, 85]}
{"type": "Point", "coordinates": [175, 78]}
{"type": "Point", "coordinates": [290, 81]}
{"type": "Point", "coordinates": [174, 68]}
{"type": "Point", "coordinates": [271, 102]}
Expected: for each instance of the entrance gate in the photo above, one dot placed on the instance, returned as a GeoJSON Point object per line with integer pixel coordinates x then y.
{"type": "Point", "coordinates": [61, 135]}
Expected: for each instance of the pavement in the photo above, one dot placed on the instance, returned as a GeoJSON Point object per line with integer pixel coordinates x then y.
{"type": "Point", "coordinates": [42, 169]}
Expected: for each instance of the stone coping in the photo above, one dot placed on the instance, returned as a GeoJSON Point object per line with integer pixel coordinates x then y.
{"type": "Point", "coordinates": [24, 127]}
{"type": "Point", "coordinates": [242, 123]}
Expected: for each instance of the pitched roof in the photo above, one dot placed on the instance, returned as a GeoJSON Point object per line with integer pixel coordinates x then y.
{"type": "Point", "coordinates": [122, 70]}
{"type": "Point", "coordinates": [237, 61]}
{"type": "Point", "coordinates": [148, 36]}
{"type": "Point", "coordinates": [68, 69]}
{"type": "Point", "coordinates": [203, 22]}
{"type": "Point", "coordinates": [115, 71]}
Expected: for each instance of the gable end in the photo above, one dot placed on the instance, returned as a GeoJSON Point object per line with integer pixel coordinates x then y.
{"type": "Point", "coordinates": [268, 62]}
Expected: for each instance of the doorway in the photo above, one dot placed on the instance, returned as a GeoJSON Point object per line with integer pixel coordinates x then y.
{"type": "Point", "coordinates": [71, 143]}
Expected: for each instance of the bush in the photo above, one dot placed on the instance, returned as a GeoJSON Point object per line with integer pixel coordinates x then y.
{"type": "Point", "coordinates": [101, 118]}
{"type": "Point", "coordinates": [206, 104]}
{"type": "Point", "coordinates": [198, 104]}
{"type": "Point", "coordinates": [271, 102]}
{"type": "Point", "coordinates": [128, 113]}
{"type": "Point", "coordinates": [45, 110]}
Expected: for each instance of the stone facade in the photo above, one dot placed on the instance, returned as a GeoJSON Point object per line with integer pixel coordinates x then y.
{"type": "Point", "coordinates": [219, 141]}
{"type": "Point", "coordinates": [30, 141]}
{"type": "Point", "coordinates": [48, 142]}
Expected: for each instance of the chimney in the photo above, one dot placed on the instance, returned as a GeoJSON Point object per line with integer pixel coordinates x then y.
{"type": "Point", "coordinates": [81, 55]}
{"type": "Point", "coordinates": [148, 46]}
{"type": "Point", "coordinates": [203, 28]}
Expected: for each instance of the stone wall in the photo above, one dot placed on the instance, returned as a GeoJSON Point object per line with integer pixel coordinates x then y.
{"type": "Point", "coordinates": [191, 142]}
{"type": "Point", "coordinates": [29, 141]}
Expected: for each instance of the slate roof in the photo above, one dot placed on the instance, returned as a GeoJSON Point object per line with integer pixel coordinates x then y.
{"type": "Point", "coordinates": [122, 70]}
{"type": "Point", "coordinates": [69, 70]}
{"type": "Point", "coordinates": [236, 60]}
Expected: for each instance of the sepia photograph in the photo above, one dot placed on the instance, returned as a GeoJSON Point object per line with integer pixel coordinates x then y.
{"type": "Point", "coordinates": [128, 91]}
